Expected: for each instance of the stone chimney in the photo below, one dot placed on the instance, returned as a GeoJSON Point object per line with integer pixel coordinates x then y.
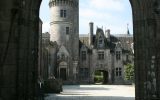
{"type": "Point", "coordinates": [107, 34]}
{"type": "Point", "coordinates": [91, 33]}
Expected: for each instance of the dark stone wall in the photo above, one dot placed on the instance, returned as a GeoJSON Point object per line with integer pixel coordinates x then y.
{"type": "Point", "coordinates": [146, 20]}
{"type": "Point", "coordinates": [18, 46]}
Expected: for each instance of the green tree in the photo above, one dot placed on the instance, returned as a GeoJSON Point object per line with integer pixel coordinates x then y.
{"type": "Point", "coordinates": [129, 72]}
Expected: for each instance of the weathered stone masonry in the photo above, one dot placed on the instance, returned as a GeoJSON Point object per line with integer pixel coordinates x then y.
{"type": "Point", "coordinates": [18, 48]}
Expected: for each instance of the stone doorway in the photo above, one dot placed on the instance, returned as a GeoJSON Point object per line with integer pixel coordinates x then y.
{"type": "Point", "coordinates": [63, 74]}
{"type": "Point", "coordinates": [62, 70]}
{"type": "Point", "coordinates": [101, 77]}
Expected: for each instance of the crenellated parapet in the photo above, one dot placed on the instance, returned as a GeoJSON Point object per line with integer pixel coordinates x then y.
{"type": "Point", "coordinates": [72, 3]}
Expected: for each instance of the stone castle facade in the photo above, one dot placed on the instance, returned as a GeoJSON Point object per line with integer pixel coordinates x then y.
{"type": "Point", "coordinates": [75, 58]}
{"type": "Point", "coordinates": [106, 53]}
{"type": "Point", "coordinates": [19, 49]}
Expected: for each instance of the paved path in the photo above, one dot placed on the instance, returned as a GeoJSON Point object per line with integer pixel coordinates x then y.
{"type": "Point", "coordinates": [94, 92]}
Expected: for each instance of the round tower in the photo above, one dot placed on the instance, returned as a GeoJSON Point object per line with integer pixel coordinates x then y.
{"type": "Point", "coordinates": [64, 24]}
{"type": "Point", "coordinates": [63, 20]}
{"type": "Point", "coordinates": [64, 29]}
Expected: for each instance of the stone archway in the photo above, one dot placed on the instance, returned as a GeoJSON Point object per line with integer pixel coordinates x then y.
{"type": "Point", "coordinates": [19, 46]}
{"type": "Point", "coordinates": [103, 75]}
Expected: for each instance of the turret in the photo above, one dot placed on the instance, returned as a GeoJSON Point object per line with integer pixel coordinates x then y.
{"type": "Point", "coordinates": [64, 30]}
{"type": "Point", "coordinates": [63, 20]}
{"type": "Point", "coordinates": [91, 33]}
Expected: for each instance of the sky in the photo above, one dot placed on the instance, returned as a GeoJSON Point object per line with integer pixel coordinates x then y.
{"type": "Point", "coordinates": [106, 14]}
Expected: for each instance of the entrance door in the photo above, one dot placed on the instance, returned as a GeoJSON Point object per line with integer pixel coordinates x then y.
{"type": "Point", "coordinates": [63, 75]}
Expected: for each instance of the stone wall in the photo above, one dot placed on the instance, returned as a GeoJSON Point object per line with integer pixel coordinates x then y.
{"type": "Point", "coordinates": [19, 49]}
{"type": "Point", "coordinates": [146, 52]}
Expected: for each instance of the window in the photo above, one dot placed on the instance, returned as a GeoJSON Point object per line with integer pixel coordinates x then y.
{"type": "Point", "coordinates": [67, 30]}
{"type": "Point", "coordinates": [100, 40]}
{"type": "Point", "coordinates": [118, 55]}
{"type": "Point", "coordinates": [83, 55]}
{"type": "Point", "coordinates": [118, 71]}
{"type": "Point", "coordinates": [101, 55]}
{"type": "Point", "coordinates": [63, 13]}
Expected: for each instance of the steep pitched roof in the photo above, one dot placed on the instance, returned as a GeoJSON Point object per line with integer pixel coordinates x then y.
{"type": "Point", "coordinates": [125, 39]}
{"type": "Point", "coordinates": [84, 39]}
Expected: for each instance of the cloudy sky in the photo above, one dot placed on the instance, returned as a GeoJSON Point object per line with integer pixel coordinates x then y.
{"type": "Point", "coordinates": [106, 14]}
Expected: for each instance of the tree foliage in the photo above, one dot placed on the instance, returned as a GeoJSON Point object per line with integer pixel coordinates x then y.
{"type": "Point", "coordinates": [129, 72]}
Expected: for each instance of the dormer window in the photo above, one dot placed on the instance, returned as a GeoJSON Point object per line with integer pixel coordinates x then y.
{"type": "Point", "coordinates": [100, 42]}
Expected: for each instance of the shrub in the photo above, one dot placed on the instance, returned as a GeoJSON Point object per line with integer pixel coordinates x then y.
{"type": "Point", "coordinates": [129, 72]}
{"type": "Point", "coordinates": [98, 79]}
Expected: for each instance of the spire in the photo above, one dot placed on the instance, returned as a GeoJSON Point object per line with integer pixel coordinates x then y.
{"type": "Point", "coordinates": [128, 33]}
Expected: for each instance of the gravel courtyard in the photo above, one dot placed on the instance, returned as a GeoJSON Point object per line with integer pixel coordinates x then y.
{"type": "Point", "coordinates": [94, 92]}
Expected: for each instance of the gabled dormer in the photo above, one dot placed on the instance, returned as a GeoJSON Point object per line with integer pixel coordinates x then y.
{"type": "Point", "coordinates": [100, 39]}
{"type": "Point", "coordinates": [118, 45]}
{"type": "Point", "coordinates": [62, 53]}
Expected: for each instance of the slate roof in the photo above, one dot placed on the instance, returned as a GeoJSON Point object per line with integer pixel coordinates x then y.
{"type": "Point", "coordinates": [84, 39]}
{"type": "Point", "coordinates": [125, 39]}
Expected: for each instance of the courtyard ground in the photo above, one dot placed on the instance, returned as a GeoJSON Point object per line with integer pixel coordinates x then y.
{"type": "Point", "coordinates": [94, 92]}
